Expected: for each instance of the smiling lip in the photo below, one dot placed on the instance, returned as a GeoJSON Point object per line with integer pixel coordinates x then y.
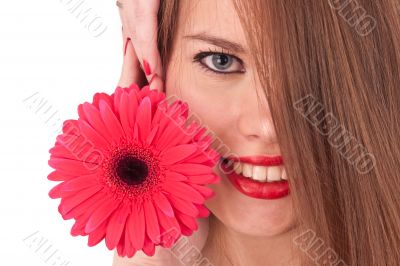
{"type": "Point", "coordinates": [253, 188]}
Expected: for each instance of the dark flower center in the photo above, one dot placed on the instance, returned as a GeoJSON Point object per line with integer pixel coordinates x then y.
{"type": "Point", "coordinates": [131, 170]}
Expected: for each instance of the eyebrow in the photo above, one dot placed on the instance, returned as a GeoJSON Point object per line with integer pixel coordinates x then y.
{"type": "Point", "coordinates": [223, 43]}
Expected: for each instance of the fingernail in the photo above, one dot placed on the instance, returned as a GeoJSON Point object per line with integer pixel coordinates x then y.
{"type": "Point", "coordinates": [146, 66]}
{"type": "Point", "coordinates": [152, 78]}
{"type": "Point", "coordinates": [151, 82]}
{"type": "Point", "coordinates": [126, 44]}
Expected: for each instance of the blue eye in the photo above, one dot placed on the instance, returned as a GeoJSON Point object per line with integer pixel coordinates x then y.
{"type": "Point", "coordinates": [221, 63]}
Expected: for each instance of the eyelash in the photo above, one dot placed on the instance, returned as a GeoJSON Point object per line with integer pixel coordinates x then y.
{"type": "Point", "coordinates": [202, 54]}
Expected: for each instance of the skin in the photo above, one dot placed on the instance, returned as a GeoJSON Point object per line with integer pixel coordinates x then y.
{"type": "Point", "coordinates": [139, 32]}
{"type": "Point", "coordinates": [254, 231]}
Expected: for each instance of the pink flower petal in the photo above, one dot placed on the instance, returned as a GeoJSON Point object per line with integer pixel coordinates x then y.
{"type": "Point", "coordinates": [159, 115]}
{"type": "Point", "coordinates": [60, 151]}
{"type": "Point", "coordinates": [97, 235]}
{"type": "Point", "coordinates": [55, 192]}
{"type": "Point", "coordinates": [135, 131]}
{"type": "Point", "coordinates": [71, 166]}
{"type": "Point", "coordinates": [103, 97]}
{"type": "Point", "coordinates": [94, 119]}
{"type": "Point", "coordinates": [121, 250]}
{"type": "Point", "coordinates": [133, 87]}
{"type": "Point", "coordinates": [116, 226]}
{"type": "Point", "coordinates": [203, 211]}
{"type": "Point", "coordinates": [177, 153]}
{"type": "Point", "coordinates": [78, 198]}
{"type": "Point", "coordinates": [148, 247]}
{"type": "Point", "coordinates": [111, 121]}
{"type": "Point", "coordinates": [203, 179]}
{"type": "Point", "coordinates": [88, 206]}
{"type": "Point", "coordinates": [205, 191]}
{"type": "Point", "coordinates": [191, 169]}
{"type": "Point", "coordinates": [132, 107]}
{"type": "Point", "coordinates": [189, 221]}
{"type": "Point", "coordinates": [152, 226]}
{"type": "Point", "coordinates": [185, 230]}
{"type": "Point", "coordinates": [100, 215]}
{"type": "Point", "coordinates": [129, 250]}
{"type": "Point", "coordinates": [163, 204]}
{"type": "Point", "coordinates": [200, 134]}
{"type": "Point", "coordinates": [170, 229]}
{"type": "Point", "coordinates": [152, 134]}
{"type": "Point", "coordinates": [78, 228]}
{"type": "Point", "coordinates": [161, 118]}
{"type": "Point", "coordinates": [117, 100]}
{"type": "Point", "coordinates": [179, 139]}
{"type": "Point", "coordinates": [183, 191]}
{"type": "Point", "coordinates": [81, 112]}
{"type": "Point", "coordinates": [137, 226]}
{"type": "Point", "coordinates": [170, 132]}
{"type": "Point", "coordinates": [124, 114]}
{"type": "Point", "coordinates": [58, 176]}
{"type": "Point", "coordinates": [143, 118]}
{"type": "Point", "coordinates": [144, 91]}
{"type": "Point", "coordinates": [59, 192]}
{"type": "Point", "coordinates": [168, 223]}
{"type": "Point", "coordinates": [81, 182]}
{"type": "Point", "coordinates": [173, 176]}
{"type": "Point", "coordinates": [199, 157]}
{"type": "Point", "coordinates": [91, 135]}
{"type": "Point", "coordinates": [70, 126]}
{"type": "Point", "coordinates": [183, 205]}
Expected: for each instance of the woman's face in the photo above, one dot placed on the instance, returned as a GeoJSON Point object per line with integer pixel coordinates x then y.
{"type": "Point", "coordinates": [222, 93]}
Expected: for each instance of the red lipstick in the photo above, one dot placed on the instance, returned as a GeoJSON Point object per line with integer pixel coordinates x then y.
{"type": "Point", "coordinates": [254, 188]}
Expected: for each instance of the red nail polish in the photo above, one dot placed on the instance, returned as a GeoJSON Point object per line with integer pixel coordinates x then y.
{"type": "Point", "coordinates": [146, 66]}
{"type": "Point", "coordinates": [126, 45]}
{"type": "Point", "coordinates": [152, 78]}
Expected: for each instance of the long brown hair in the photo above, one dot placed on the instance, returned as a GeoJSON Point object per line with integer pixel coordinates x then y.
{"type": "Point", "coordinates": [330, 69]}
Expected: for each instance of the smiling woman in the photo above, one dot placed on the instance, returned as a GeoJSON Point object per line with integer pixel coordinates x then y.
{"type": "Point", "coordinates": [291, 181]}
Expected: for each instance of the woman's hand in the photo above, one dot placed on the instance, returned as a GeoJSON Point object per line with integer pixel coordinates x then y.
{"type": "Point", "coordinates": [139, 32]}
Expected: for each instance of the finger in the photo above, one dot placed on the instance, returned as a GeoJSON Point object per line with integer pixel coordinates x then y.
{"type": "Point", "coordinates": [156, 83]}
{"type": "Point", "coordinates": [131, 68]}
{"type": "Point", "coordinates": [147, 34]}
{"type": "Point", "coordinates": [145, 42]}
{"type": "Point", "coordinates": [142, 25]}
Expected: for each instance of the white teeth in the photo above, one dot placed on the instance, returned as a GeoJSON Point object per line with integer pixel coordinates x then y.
{"type": "Point", "coordinates": [247, 170]}
{"type": "Point", "coordinates": [238, 168]}
{"type": "Point", "coordinates": [274, 173]}
{"type": "Point", "coordinates": [284, 175]}
{"type": "Point", "coordinates": [260, 173]}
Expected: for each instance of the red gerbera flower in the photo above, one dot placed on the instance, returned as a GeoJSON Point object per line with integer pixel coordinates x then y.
{"type": "Point", "coordinates": [133, 171]}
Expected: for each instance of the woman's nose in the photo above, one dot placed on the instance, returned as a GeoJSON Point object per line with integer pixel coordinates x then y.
{"type": "Point", "coordinates": [254, 119]}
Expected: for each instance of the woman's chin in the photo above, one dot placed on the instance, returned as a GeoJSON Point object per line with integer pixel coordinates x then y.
{"type": "Point", "coordinates": [248, 215]}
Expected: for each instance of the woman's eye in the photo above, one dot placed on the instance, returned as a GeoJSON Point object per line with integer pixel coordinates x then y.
{"type": "Point", "coordinates": [220, 62]}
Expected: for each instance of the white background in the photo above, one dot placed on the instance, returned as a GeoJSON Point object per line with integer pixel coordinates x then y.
{"type": "Point", "coordinates": [48, 53]}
